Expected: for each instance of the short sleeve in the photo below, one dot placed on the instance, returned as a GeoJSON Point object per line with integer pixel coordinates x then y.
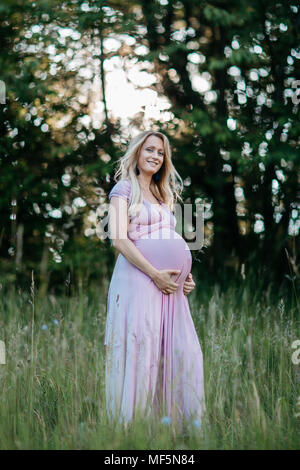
{"type": "Point", "coordinates": [121, 189]}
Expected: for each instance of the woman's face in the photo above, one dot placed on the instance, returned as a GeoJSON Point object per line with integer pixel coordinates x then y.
{"type": "Point", "coordinates": [151, 155]}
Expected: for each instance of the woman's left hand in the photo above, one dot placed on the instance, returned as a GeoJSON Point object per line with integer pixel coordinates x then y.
{"type": "Point", "coordinates": [189, 284]}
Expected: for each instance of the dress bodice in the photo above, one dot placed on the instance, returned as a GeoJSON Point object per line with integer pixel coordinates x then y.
{"type": "Point", "coordinates": [150, 221]}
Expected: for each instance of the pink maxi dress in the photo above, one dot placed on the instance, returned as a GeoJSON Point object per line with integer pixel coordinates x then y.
{"type": "Point", "coordinates": [154, 361]}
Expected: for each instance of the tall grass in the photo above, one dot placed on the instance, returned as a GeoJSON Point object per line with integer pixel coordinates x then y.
{"type": "Point", "coordinates": [52, 387]}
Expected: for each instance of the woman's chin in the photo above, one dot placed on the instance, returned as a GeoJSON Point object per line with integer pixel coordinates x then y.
{"type": "Point", "coordinates": [149, 172]}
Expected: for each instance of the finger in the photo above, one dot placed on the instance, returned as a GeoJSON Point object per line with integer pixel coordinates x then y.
{"type": "Point", "coordinates": [191, 285]}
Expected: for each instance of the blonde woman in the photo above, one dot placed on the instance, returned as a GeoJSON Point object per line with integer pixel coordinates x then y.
{"type": "Point", "coordinates": [154, 363]}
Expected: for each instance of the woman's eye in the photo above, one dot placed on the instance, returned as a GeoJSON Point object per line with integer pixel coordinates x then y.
{"type": "Point", "coordinates": [160, 153]}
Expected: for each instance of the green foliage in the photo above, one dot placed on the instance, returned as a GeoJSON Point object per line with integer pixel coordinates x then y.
{"type": "Point", "coordinates": [238, 135]}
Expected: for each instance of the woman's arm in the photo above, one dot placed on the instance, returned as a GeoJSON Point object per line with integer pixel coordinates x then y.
{"type": "Point", "coordinates": [118, 226]}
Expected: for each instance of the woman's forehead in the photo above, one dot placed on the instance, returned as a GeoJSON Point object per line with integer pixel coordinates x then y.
{"type": "Point", "coordinates": [154, 141]}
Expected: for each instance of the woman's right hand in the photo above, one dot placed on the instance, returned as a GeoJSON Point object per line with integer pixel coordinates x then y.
{"type": "Point", "coordinates": [163, 280]}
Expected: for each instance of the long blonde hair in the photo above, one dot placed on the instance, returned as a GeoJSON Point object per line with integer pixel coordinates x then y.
{"type": "Point", "coordinates": [169, 187]}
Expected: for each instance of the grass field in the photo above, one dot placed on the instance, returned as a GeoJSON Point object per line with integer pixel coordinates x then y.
{"type": "Point", "coordinates": [52, 386]}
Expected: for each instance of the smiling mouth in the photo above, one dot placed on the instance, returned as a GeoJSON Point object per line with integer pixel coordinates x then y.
{"type": "Point", "coordinates": [152, 163]}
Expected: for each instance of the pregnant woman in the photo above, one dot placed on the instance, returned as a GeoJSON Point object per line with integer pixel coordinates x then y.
{"type": "Point", "coordinates": [154, 363]}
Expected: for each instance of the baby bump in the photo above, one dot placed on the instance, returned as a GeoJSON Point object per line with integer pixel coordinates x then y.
{"type": "Point", "coordinates": [171, 253]}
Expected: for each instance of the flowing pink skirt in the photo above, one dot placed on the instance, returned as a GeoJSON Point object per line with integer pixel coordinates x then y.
{"type": "Point", "coordinates": [154, 361]}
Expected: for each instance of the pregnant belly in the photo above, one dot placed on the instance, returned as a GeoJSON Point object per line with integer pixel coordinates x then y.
{"type": "Point", "coordinates": [167, 253]}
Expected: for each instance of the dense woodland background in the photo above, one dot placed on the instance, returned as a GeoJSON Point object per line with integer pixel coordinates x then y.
{"type": "Point", "coordinates": [236, 144]}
